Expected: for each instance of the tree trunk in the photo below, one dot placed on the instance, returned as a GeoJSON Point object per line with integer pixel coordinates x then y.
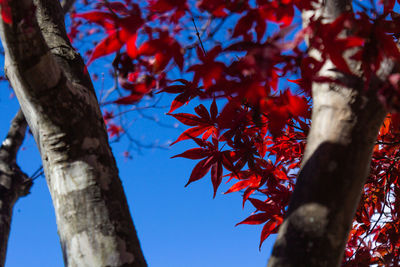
{"type": "Point", "coordinates": [345, 124]}
{"type": "Point", "coordinates": [335, 166]}
{"type": "Point", "coordinates": [13, 182]}
{"type": "Point", "coordinates": [60, 106]}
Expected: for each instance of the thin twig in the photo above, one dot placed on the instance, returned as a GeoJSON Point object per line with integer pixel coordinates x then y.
{"type": "Point", "coordinates": [198, 36]}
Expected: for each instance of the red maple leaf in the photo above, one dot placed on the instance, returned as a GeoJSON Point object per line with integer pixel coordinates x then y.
{"type": "Point", "coordinates": [203, 123]}
{"type": "Point", "coordinates": [211, 157]}
{"type": "Point", "coordinates": [114, 130]}
{"type": "Point", "coordinates": [246, 22]}
{"type": "Point", "coordinates": [120, 31]}
{"type": "Point", "coordinates": [177, 6]}
{"type": "Point", "coordinates": [209, 70]}
{"type": "Point", "coordinates": [186, 91]}
{"type": "Point", "coordinates": [163, 49]}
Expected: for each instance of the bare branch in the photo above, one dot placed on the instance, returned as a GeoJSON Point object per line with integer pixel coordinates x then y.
{"type": "Point", "coordinates": [14, 138]}
{"type": "Point", "coordinates": [13, 182]}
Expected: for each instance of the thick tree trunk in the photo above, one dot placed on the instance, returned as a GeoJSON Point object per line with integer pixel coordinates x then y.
{"type": "Point", "coordinates": [13, 182]}
{"type": "Point", "coordinates": [345, 124]}
{"type": "Point", "coordinates": [59, 103]}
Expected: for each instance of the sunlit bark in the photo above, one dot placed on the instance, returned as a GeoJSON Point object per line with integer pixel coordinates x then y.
{"type": "Point", "coordinates": [60, 106]}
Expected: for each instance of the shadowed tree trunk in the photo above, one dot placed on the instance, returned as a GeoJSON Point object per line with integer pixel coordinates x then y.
{"type": "Point", "coordinates": [345, 124]}
{"type": "Point", "coordinates": [59, 103]}
{"type": "Point", "coordinates": [13, 182]}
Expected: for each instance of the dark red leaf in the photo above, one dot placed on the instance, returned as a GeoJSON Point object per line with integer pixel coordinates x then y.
{"type": "Point", "coordinates": [194, 153]}
{"type": "Point", "coordinates": [102, 18]}
{"type": "Point", "coordinates": [297, 106]}
{"type": "Point", "coordinates": [216, 176]}
{"type": "Point", "coordinates": [177, 54]}
{"type": "Point", "coordinates": [118, 7]}
{"type": "Point", "coordinates": [269, 228]}
{"type": "Point", "coordinates": [388, 5]}
{"type": "Point", "coordinates": [114, 130]}
{"type": "Point", "coordinates": [239, 186]}
{"type": "Point", "coordinates": [247, 193]}
{"type": "Point", "coordinates": [128, 100]}
{"type": "Point", "coordinates": [336, 57]}
{"type": "Point", "coordinates": [278, 117]}
{"type": "Point", "coordinates": [190, 133]}
{"type": "Point", "coordinates": [214, 110]}
{"type": "Point", "coordinates": [243, 25]}
{"type": "Point", "coordinates": [210, 131]}
{"type": "Point", "coordinates": [202, 112]}
{"type": "Point", "coordinates": [168, 5]}
{"type": "Point", "coordinates": [187, 119]}
{"type": "Point", "coordinates": [258, 218]}
{"type": "Point", "coordinates": [200, 170]}
{"type": "Point", "coordinates": [228, 161]}
{"type": "Point", "coordinates": [259, 205]}
{"type": "Point", "coordinates": [260, 28]}
{"type": "Point", "coordinates": [174, 89]}
{"type": "Point", "coordinates": [110, 44]}
{"type": "Point", "coordinates": [179, 101]}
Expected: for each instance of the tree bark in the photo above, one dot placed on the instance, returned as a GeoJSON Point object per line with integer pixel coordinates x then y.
{"type": "Point", "coordinates": [13, 182]}
{"type": "Point", "coordinates": [345, 124]}
{"type": "Point", "coordinates": [59, 103]}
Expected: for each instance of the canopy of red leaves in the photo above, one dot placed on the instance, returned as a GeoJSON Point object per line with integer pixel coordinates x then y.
{"type": "Point", "coordinates": [259, 73]}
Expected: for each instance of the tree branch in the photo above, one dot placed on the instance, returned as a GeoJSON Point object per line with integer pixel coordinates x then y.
{"type": "Point", "coordinates": [13, 182]}
{"type": "Point", "coordinates": [14, 138]}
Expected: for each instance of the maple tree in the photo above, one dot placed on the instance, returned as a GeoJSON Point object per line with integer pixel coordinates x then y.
{"type": "Point", "coordinates": [263, 74]}
{"type": "Point", "coordinates": [259, 134]}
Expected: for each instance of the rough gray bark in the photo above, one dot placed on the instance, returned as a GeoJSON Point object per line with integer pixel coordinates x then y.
{"type": "Point", "coordinates": [345, 124]}
{"type": "Point", "coordinates": [13, 182]}
{"type": "Point", "coordinates": [58, 100]}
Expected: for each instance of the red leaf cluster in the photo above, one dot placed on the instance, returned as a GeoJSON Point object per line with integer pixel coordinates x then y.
{"type": "Point", "coordinates": [121, 25]}
{"type": "Point", "coordinates": [253, 133]}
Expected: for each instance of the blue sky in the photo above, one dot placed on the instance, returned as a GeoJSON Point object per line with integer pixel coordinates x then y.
{"type": "Point", "coordinates": [177, 226]}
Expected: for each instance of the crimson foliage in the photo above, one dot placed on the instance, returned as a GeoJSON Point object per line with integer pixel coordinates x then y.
{"type": "Point", "coordinates": [251, 58]}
